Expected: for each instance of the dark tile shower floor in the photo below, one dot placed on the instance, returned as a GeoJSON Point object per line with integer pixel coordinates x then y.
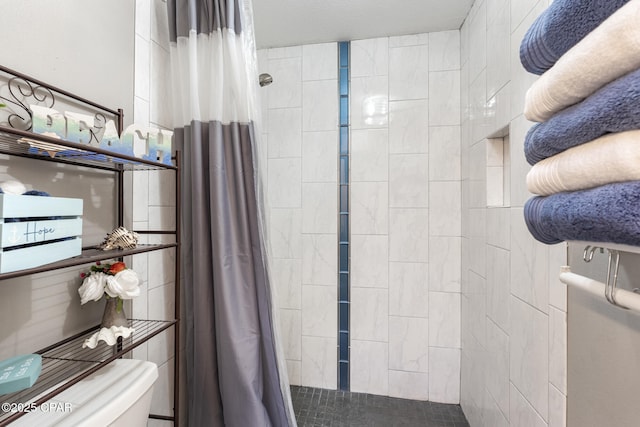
{"type": "Point", "coordinates": [315, 407]}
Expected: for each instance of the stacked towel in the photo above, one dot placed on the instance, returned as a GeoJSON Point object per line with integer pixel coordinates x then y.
{"type": "Point", "coordinates": [614, 108]}
{"type": "Point", "coordinates": [559, 28]}
{"type": "Point", "coordinates": [608, 213]}
{"type": "Point", "coordinates": [607, 53]}
{"type": "Point", "coordinates": [611, 158]}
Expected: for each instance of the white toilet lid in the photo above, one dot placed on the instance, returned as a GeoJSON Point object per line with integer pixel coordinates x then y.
{"type": "Point", "coordinates": [97, 400]}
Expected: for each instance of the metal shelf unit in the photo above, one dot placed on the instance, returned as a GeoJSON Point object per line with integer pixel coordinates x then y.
{"type": "Point", "coordinates": [65, 363]}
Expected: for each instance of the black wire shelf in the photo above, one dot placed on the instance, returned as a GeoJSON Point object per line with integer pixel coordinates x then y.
{"type": "Point", "coordinates": [66, 363]}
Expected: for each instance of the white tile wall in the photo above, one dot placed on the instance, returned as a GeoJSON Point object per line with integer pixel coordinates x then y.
{"type": "Point", "coordinates": [405, 223]}
{"type": "Point", "coordinates": [153, 196]}
{"type": "Point", "coordinates": [409, 72]}
{"type": "Point", "coordinates": [301, 139]}
{"type": "Point", "coordinates": [369, 367]}
{"type": "Point", "coordinates": [513, 369]}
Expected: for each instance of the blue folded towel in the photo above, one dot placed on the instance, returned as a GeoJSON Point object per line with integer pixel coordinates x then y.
{"type": "Point", "coordinates": [610, 213]}
{"type": "Point", "coordinates": [613, 108]}
{"type": "Point", "coordinates": [563, 24]}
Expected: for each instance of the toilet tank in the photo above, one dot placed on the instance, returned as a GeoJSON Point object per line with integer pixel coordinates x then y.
{"type": "Point", "coordinates": [117, 395]}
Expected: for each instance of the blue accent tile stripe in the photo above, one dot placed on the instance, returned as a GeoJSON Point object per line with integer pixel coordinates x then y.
{"type": "Point", "coordinates": [343, 216]}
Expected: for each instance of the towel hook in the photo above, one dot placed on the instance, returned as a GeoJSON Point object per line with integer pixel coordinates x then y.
{"type": "Point", "coordinates": [587, 255]}
{"type": "Point", "coordinates": [612, 278]}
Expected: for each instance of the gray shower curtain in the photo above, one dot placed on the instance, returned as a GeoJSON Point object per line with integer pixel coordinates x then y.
{"type": "Point", "coordinates": [235, 370]}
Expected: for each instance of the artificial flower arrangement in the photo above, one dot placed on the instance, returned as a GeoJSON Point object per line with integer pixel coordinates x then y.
{"type": "Point", "coordinates": [118, 283]}
{"type": "Point", "coordinates": [115, 280]}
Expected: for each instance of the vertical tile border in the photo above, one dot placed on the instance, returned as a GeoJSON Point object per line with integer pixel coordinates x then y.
{"type": "Point", "coordinates": [343, 217]}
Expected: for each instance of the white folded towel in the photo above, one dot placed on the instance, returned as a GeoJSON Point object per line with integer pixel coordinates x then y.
{"type": "Point", "coordinates": [611, 158]}
{"type": "Point", "coordinates": [608, 52]}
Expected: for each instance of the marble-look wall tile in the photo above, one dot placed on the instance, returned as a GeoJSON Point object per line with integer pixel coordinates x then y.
{"type": "Point", "coordinates": [409, 126]}
{"type": "Point", "coordinates": [481, 120]}
{"type": "Point", "coordinates": [522, 414]}
{"type": "Point", "coordinates": [409, 344]}
{"type": "Point", "coordinates": [444, 375]}
{"type": "Point", "coordinates": [478, 166]}
{"type": "Point", "coordinates": [409, 72]}
{"type": "Point", "coordinates": [320, 105]}
{"type": "Point", "coordinates": [444, 50]}
{"type": "Point", "coordinates": [444, 98]}
{"type": "Point", "coordinates": [290, 327]}
{"type": "Point", "coordinates": [499, 110]}
{"type": "Point", "coordinates": [529, 355]}
{"type": "Point", "coordinates": [369, 314]}
{"type": "Point", "coordinates": [319, 259]}
{"type": "Point", "coordinates": [409, 40]}
{"type": "Point", "coordinates": [141, 199]}
{"type": "Point", "coordinates": [409, 385]}
{"type": "Point", "coordinates": [160, 24]}
{"type": "Point", "coordinates": [284, 177]}
{"type": "Point", "coordinates": [369, 367]}
{"type": "Point", "coordinates": [444, 153]}
{"type": "Point", "coordinates": [161, 307]}
{"type": "Point", "coordinates": [519, 166]}
{"type": "Point", "coordinates": [557, 289]}
{"type": "Point", "coordinates": [284, 233]}
{"type": "Point", "coordinates": [162, 218]}
{"type": "Point", "coordinates": [142, 55]}
{"type": "Point", "coordinates": [497, 374]}
{"type": "Point", "coordinates": [319, 362]}
{"type": "Point", "coordinates": [143, 20]}
{"type": "Point", "coordinates": [319, 207]}
{"type": "Point", "coordinates": [558, 349]}
{"type": "Point", "coordinates": [369, 261]}
{"type": "Point", "coordinates": [498, 227]}
{"type": "Point", "coordinates": [520, 9]}
{"type": "Point", "coordinates": [319, 311]}
{"type": "Point", "coordinates": [444, 263]}
{"type": "Point", "coordinates": [294, 371]}
{"type": "Point", "coordinates": [286, 275]}
{"type": "Point", "coordinates": [319, 61]}
{"type": "Point", "coordinates": [162, 189]}
{"type": "Point", "coordinates": [498, 63]}
{"type": "Point", "coordinates": [164, 266]}
{"type": "Point", "coordinates": [320, 156]}
{"type": "Point", "coordinates": [369, 102]}
{"type": "Point", "coordinates": [369, 155]}
{"type": "Point", "coordinates": [408, 289]}
{"type": "Point", "coordinates": [498, 286]}
{"type": "Point", "coordinates": [408, 181]}
{"type": "Point", "coordinates": [557, 408]}
{"type": "Point", "coordinates": [529, 258]}
{"type": "Point", "coordinates": [491, 414]}
{"type": "Point", "coordinates": [478, 41]}
{"type": "Point", "coordinates": [369, 211]}
{"type": "Point", "coordinates": [476, 310]}
{"type": "Point", "coordinates": [370, 57]}
{"type": "Point", "coordinates": [161, 114]}
{"type": "Point", "coordinates": [162, 401]}
{"type": "Point", "coordinates": [444, 319]}
{"type": "Point", "coordinates": [285, 132]}
{"type": "Point", "coordinates": [285, 52]}
{"type": "Point", "coordinates": [444, 208]}
{"type": "Point", "coordinates": [409, 235]}
{"type": "Point", "coordinates": [521, 79]}
{"type": "Point", "coordinates": [286, 89]}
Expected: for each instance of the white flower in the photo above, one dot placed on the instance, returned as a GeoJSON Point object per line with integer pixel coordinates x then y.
{"type": "Point", "coordinates": [123, 285]}
{"type": "Point", "coordinates": [92, 287]}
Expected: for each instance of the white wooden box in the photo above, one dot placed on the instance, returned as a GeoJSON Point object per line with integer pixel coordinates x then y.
{"type": "Point", "coordinates": [37, 230]}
